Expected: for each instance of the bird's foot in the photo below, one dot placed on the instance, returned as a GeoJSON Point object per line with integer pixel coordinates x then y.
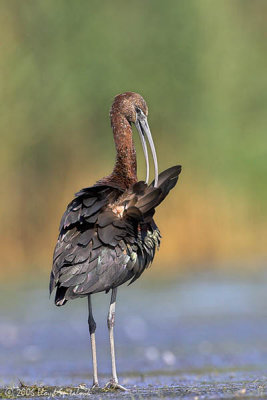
{"type": "Point", "coordinates": [113, 385]}
{"type": "Point", "coordinates": [95, 386]}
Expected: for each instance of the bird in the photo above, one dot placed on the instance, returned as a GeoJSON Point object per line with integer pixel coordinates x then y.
{"type": "Point", "coordinates": [107, 235]}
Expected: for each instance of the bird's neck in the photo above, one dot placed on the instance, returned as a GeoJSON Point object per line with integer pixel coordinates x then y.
{"type": "Point", "coordinates": [125, 168]}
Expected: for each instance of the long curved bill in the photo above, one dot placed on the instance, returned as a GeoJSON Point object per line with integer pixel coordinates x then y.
{"type": "Point", "coordinates": [144, 132]}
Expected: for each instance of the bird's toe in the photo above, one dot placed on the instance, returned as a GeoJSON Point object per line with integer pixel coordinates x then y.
{"type": "Point", "coordinates": [95, 386]}
{"type": "Point", "coordinates": [112, 385]}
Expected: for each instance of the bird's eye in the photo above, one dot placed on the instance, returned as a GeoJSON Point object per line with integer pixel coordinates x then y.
{"type": "Point", "coordinates": [138, 110]}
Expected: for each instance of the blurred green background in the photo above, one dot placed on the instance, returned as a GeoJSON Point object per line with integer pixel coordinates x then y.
{"type": "Point", "coordinates": [201, 65]}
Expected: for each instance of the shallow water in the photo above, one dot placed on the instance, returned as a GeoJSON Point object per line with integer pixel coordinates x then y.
{"type": "Point", "coordinates": [203, 337]}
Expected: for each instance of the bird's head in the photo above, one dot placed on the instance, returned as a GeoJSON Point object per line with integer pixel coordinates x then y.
{"type": "Point", "coordinates": [133, 107]}
{"type": "Point", "coordinates": [129, 104]}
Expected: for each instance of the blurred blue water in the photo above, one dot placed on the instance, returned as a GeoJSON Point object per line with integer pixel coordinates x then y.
{"type": "Point", "coordinates": [164, 331]}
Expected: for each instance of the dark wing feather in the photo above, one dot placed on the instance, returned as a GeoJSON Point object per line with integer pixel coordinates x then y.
{"type": "Point", "coordinates": [78, 241]}
{"type": "Point", "coordinates": [108, 267]}
{"type": "Point", "coordinates": [98, 249]}
{"type": "Point", "coordinates": [167, 180]}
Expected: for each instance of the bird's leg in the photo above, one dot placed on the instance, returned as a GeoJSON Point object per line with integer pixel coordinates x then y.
{"type": "Point", "coordinates": [92, 328]}
{"type": "Point", "coordinates": [114, 383]}
{"type": "Point", "coordinates": [111, 322]}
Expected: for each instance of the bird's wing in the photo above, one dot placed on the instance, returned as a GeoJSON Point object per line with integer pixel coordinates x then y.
{"type": "Point", "coordinates": [144, 199]}
{"type": "Point", "coordinates": [77, 232]}
{"type": "Point", "coordinates": [139, 210]}
{"type": "Point", "coordinates": [107, 237]}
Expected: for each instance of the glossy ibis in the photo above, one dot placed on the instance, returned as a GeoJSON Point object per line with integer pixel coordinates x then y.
{"type": "Point", "coordinates": [107, 234]}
